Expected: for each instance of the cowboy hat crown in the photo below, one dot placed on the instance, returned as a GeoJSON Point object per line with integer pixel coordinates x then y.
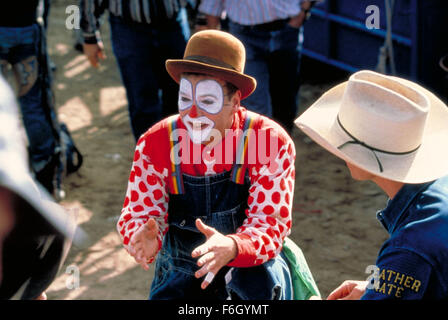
{"type": "Point", "coordinates": [399, 110]}
{"type": "Point", "coordinates": [388, 126]}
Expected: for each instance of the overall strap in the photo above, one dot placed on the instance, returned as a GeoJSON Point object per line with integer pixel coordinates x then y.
{"type": "Point", "coordinates": [176, 174]}
{"type": "Point", "coordinates": [239, 168]}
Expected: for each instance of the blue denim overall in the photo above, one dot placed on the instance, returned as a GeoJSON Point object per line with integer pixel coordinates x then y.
{"type": "Point", "coordinates": [17, 45]}
{"type": "Point", "coordinates": [220, 203]}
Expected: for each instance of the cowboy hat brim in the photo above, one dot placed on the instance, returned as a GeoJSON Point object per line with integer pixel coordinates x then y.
{"type": "Point", "coordinates": [246, 84]}
{"type": "Point", "coordinates": [48, 216]}
{"type": "Point", "coordinates": [41, 237]}
{"type": "Point", "coordinates": [427, 163]}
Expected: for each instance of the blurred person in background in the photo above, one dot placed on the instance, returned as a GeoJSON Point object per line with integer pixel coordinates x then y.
{"type": "Point", "coordinates": [144, 34]}
{"type": "Point", "coordinates": [35, 232]}
{"type": "Point", "coordinates": [21, 37]}
{"type": "Point", "coordinates": [271, 31]}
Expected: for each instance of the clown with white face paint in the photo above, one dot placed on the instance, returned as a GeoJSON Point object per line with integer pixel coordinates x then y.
{"type": "Point", "coordinates": [199, 217]}
{"type": "Point", "coordinates": [208, 96]}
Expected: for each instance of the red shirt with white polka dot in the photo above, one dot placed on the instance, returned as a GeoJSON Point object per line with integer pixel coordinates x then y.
{"type": "Point", "coordinates": [271, 173]}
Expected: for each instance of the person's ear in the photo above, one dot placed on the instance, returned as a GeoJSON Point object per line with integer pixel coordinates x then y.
{"type": "Point", "coordinates": [236, 100]}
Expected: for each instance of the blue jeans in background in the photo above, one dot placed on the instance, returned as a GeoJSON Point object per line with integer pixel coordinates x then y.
{"type": "Point", "coordinates": [19, 47]}
{"type": "Point", "coordinates": [141, 51]}
{"type": "Point", "coordinates": [273, 59]}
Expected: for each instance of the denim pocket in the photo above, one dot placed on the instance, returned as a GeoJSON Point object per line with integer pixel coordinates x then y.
{"type": "Point", "coordinates": [227, 221]}
{"type": "Point", "coordinates": [185, 221]}
{"type": "Point", "coordinates": [162, 270]}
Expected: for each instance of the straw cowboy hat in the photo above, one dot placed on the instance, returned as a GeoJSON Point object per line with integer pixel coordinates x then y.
{"type": "Point", "coordinates": [388, 126]}
{"type": "Point", "coordinates": [215, 53]}
{"type": "Point", "coordinates": [43, 231]}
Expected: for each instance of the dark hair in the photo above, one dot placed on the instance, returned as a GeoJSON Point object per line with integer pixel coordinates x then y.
{"type": "Point", "coordinates": [231, 88]}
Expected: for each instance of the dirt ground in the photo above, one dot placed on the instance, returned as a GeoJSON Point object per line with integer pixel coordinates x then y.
{"type": "Point", "coordinates": [334, 219]}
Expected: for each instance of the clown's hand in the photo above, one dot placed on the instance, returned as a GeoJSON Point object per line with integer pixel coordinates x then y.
{"type": "Point", "coordinates": [144, 245]}
{"type": "Point", "coordinates": [217, 251]}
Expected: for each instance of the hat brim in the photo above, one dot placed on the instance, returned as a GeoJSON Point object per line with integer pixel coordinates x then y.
{"type": "Point", "coordinates": [42, 234]}
{"type": "Point", "coordinates": [47, 216]}
{"type": "Point", "coordinates": [427, 163]}
{"type": "Point", "coordinates": [246, 84]}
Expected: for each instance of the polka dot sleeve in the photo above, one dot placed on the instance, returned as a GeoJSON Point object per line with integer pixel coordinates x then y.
{"type": "Point", "coordinates": [268, 221]}
{"type": "Point", "coordinates": [146, 197]}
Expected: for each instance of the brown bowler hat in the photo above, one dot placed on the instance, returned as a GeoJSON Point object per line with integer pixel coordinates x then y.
{"type": "Point", "coordinates": [214, 53]}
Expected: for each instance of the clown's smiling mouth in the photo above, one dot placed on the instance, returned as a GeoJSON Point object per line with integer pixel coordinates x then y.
{"type": "Point", "coordinates": [198, 125]}
{"type": "Point", "coordinates": [198, 128]}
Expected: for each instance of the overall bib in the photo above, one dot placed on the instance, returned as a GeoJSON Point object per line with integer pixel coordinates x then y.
{"type": "Point", "coordinates": [219, 202]}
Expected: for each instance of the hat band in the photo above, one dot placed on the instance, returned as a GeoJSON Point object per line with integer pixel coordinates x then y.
{"type": "Point", "coordinates": [365, 145]}
{"type": "Point", "coordinates": [210, 61]}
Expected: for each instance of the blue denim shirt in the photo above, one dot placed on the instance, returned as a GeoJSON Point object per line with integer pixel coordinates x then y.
{"type": "Point", "coordinates": [413, 262]}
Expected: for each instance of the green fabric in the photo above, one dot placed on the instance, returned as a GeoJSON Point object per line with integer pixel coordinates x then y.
{"type": "Point", "coordinates": [303, 282]}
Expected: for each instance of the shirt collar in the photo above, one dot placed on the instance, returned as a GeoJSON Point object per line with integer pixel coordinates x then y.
{"type": "Point", "coordinates": [396, 207]}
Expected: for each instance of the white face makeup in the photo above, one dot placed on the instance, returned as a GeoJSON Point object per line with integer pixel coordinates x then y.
{"type": "Point", "coordinates": [209, 95]}
{"type": "Point", "coordinates": [198, 128]}
{"type": "Point", "coordinates": [185, 99]}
